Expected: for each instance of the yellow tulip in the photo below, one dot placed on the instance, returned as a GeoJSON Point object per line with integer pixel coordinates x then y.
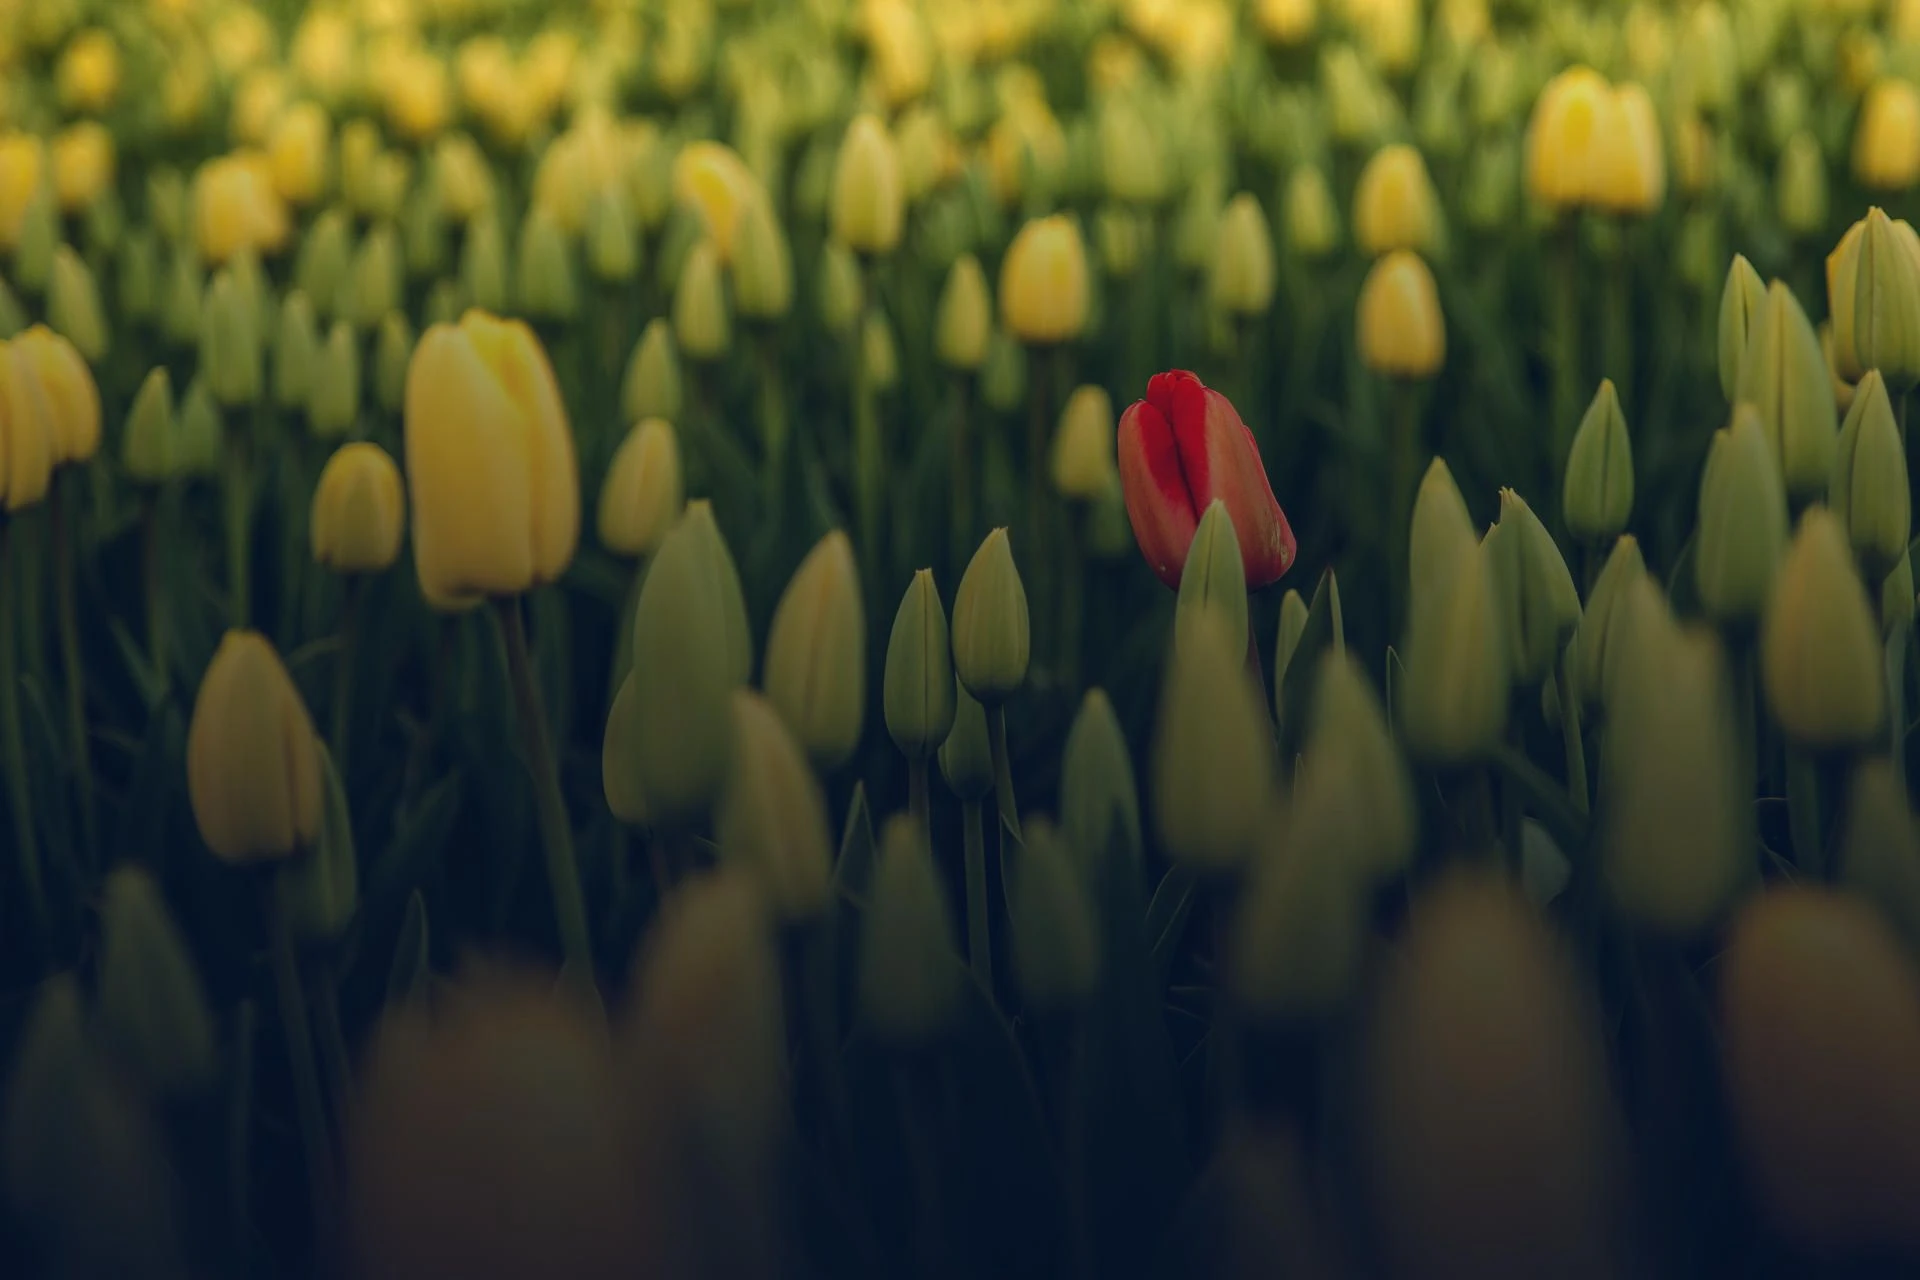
{"type": "Point", "coordinates": [1886, 139]}
{"type": "Point", "coordinates": [1402, 333]}
{"type": "Point", "coordinates": [1567, 137]}
{"type": "Point", "coordinates": [1632, 178]}
{"type": "Point", "coordinates": [236, 208]}
{"type": "Point", "coordinates": [83, 162]}
{"type": "Point", "coordinates": [49, 413]}
{"type": "Point", "coordinates": [298, 148]}
{"type": "Point", "coordinates": [359, 510]}
{"type": "Point", "coordinates": [324, 54]}
{"type": "Point", "coordinates": [462, 177]}
{"type": "Point", "coordinates": [23, 165]}
{"type": "Point", "coordinates": [1043, 282]}
{"type": "Point", "coordinates": [419, 99]}
{"type": "Point", "coordinates": [643, 493]}
{"type": "Point", "coordinates": [253, 761]}
{"type": "Point", "coordinates": [713, 179]}
{"type": "Point", "coordinates": [88, 76]}
{"type": "Point", "coordinates": [1394, 206]}
{"type": "Point", "coordinates": [490, 462]}
{"type": "Point", "coordinates": [257, 103]}
{"type": "Point", "coordinates": [1286, 22]}
{"type": "Point", "coordinates": [868, 207]}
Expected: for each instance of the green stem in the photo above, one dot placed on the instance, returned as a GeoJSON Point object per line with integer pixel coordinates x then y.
{"type": "Point", "coordinates": [20, 792]}
{"type": "Point", "coordinates": [154, 535]}
{"type": "Point", "coordinates": [239, 530]}
{"type": "Point", "coordinates": [1404, 447]}
{"type": "Point", "coordinates": [962, 477]}
{"type": "Point", "coordinates": [1565, 336]}
{"type": "Point", "coordinates": [67, 617]}
{"type": "Point", "coordinates": [240, 1138]}
{"type": "Point", "coordinates": [300, 1058]}
{"type": "Point", "coordinates": [1803, 813]}
{"type": "Point", "coordinates": [1003, 775]}
{"type": "Point", "coordinates": [979, 931]}
{"type": "Point", "coordinates": [343, 664]}
{"type": "Point", "coordinates": [773, 419]}
{"type": "Point", "coordinates": [556, 833]}
{"type": "Point", "coordinates": [1570, 734]}
{"type": "Point", "coordinates": [869, 464]}
{"type": "Point", "coordinates": [1617, 317]}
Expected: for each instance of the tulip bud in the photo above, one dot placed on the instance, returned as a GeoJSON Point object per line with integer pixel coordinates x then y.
{"type": "Point", "coordinates": [1567, 138]}
{"type": "Point", "coordinates": [701, 323]}
{"type": "Point", "coordinates": [1882, 330]}
{"type": "Point", "coordinates": [917, 691]}
{"type": "Point", "coordinates": [392, 353]}
{"type": "Point", "coordinates": [1293, 625]}
{"type": "Point", "coordinates": [1043, 282]}
{"type": "Point", "coordinates": [717, 562]}
{"type": "Point", "coordinates": [762, 265]}
{"type": "Point", "coordinates": [1593, 642]}
{"type": "Point", "coordinates": [651, 387]}
{"type": "Point", "coordinates": [816, 654]}
{"type": "Point", "coordinates": [1243, 274]}
{"type": "Point", "coordinates": [1440, 532]}
{"type": "Point", "coordinates": [296, 352]}
{"type": "Point", "coordinates": [1099, 804]}
{"type": "Point", "coordinates": [1400, 330]}
{"type": "Point", "coordinates": [1537, 594]}
{"type": "Point", "coordinates": [152, 1008]}
{"type": "Point", "coordinates": [148, 448]}
{"type": "Point", "coordinates": [298, 147]}
{"type": "Point", "coordinates": [490, 462]}
{"type": "Point", "coordinates": [321, 268]}
{"type": "Point", "coordinates": [1131, 163]}
{"type": "Point", "coordinates": [772, 817]}
{"type": "Point", "coordinates": [1491, 1153]}
{"type": "Point", "coordinates": [359, 511]}
{"type": "Point", "coordinates": [82, 161]}
{"type": "Point", "coordinates": [333, 400]}
{"type": "Point", "coordinates": [199, 447]}
{"type": "Point", "coordinates": [423, 235]}
{"type": "Point", "coordinates": [483, 264]}
{"type": "Point", "coordinates": [253, 763]}
{"type": "Point", "coordinates": [181, 303]}
{"type": "Point", "coordinates": [1212, 752]}
{"type": "Point", "coordinates": [1056, 939]}
{"type": "Point", "coordinates": [1312, 219]}
{"type": "Point", "coordinates": [73, 305]}
{"type": "Point", "coordinates": [1083, 446]}
{"type": "Point", "coordinates": [230, 344]}
{"type": "Point", "coordinates": [1362, 788]}
{"type": "Point", "coordinates": [964, 318]}
{"type": "Point", "coordinates": [966, 757]}
{"type": "Point", "coordinates": [868, 207]}
{"type": "Point", "coordinates": [841, 300]}
{"type": "Point", "coordinates": [1598, 494]}
{"type": "Point", "coordinates": [1886, 137]}
{"type": "Point", "coordinates": [1299, 935]}
{"type": "Point", "coordinates": [138, 268]}
{"type": "Point", "coordinates": [1784, 376]}
{"type": "Point", "coordinates": [910, 977]}
{"type": "Point", "coordinates": [1003, 377]}
{"type": "Point", "coordinates": [1880, 853]}
{"type": "Point", "coordinates": [1394, 206]}
{"type": "Point", "coordinates": [49, 393]}
{"type": "Point", "coordinates": [546, 287]}
{"type": "Point", "coordinates": [39, 239]}
{"type": "Point", "coordinates": [613, 251]}
{"type": "Point", "coordinates": [1800, 186]}
{"type": "Point", "coordinates": [375, 288]}
{"type": "Point", "coordinates": [1454, 709]}
{"type": "Point", "coordinates": [1820, 657]}
{"type": "Point", "coordinates": [877, 352]}
{"type": "Point", "coordinates": [1819, 1002]}
{"type": "Point", "coordinates": [1213, 583]}
{"type": "Point", "coordinates": [1742, 530]}
{"type": "Point", "coordinates": [643, 494]}
{"type": "Point", "coordinates": [990, 629]}
{"type": "Point", "coordinates": [1868, 493]}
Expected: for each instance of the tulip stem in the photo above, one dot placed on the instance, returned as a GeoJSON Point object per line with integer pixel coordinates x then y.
{"type": "Point", "coordinates": [301, 1059]}
{"type": "Point", "coordinates": [239, 532]}
{"type": "Point", "coordinates": [556, 833]}
{"type": "Point", "coordinates": [1003, 775]}
{"type": "Point", "coordinates": [154, 534]}
{"type": "Point", "coordinates": [67, 618]}
{"type": "Point", "coordinates": [773, 418]}
{"type": "Point", "coordinates": [962, 478]}
{"type": "Point", "coordinates": [1565, 336]}
{"type": "Point", "coordinates": [1404, 447]}
{"type": "Point", "coordinates": [1570, 733]}
{"type": "Point", "coordinates": [1617, 316]}
{"type": "Point", "coordinates": [1803, 813]}
{"type": "Point", "coordinates": [333, 1041]}
{"type": "Point", "coordinates": [20, 793]}
{"type": "Point", "coordinates": [240, 1137]}
{"type": "Point", "coordinates": [979, 932]}
{"type": "Point", "coordinates": [343, 662]}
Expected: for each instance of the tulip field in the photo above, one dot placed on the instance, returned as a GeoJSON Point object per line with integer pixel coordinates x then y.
{"type": "Point", "coordinates": [959, 638]}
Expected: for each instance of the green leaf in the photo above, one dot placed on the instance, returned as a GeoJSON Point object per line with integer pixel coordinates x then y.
{"type": "Point", "coordinates": [1167, 918]}
{"type": "Point", "coordinates": [853, 870]}
{"type": "Point", "coordinates": [408, 974]}
{"type": "Point", "coordinates": [145, 678]}
{"type": "Point", "coordinates": [1323, 632]}
{"type": "Point", "coordinates": [153, 789]}
{"type": "Point", "coordinates": [1683, 590]}
{"type": "Point", "coordinates": [419, 835]}
{"type": "Point", "coordinates": [1545, 800]}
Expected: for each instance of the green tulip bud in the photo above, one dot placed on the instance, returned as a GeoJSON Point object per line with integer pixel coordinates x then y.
{"type": "Point", "coordinates": [73, 306]}
{"type": "Point", "coordinates": [182, 303]}
{"type": "Point", "coordinates": [1099, 804]}
{"type": "Point", "coordinates": [199, 447]}
{"type": "Point", "coordinates": [38, 240]}
{"type": "Point", "coordinates": [13, 317]}
{"type": "Point", "coordinates": [483, 264]}
{"type": "Point", "coordinates": [966, 757]}
{"type": "Point", "coordinates": [230, 344]}
{"type": "Point", "coordinates": [1056, 937]}
{"type": "Point", "coordinates": [148, 448]}
{"type": "Point", "coordinates": [1880, 847]}
{"type": "Point", "coordinates": [1122, 237]}
{"type": "Point", "coordinates": [1242, 278]}
{"type": "Point", "coordinates": [817, 654]}
{"type": "Point", "coordinates": [1598, 494]}
{"type": "Point", "coordinates": [320, 891]}
{"type": "Point", "coordinates": [392, 352]}
{"type": "Point", "coordinates": [1742, 300]}
{"type": "Point", "coordinates": [321, 269]}
{"type": "Point", "coordinates": [84, 1163]}
{"type": "Point", "coordinates": [1897, 602]}
{"type": "Point", "coordinates": [990, 628]}
{"type": "Point", "coordinates": [1312, 217]}
{"type": "Point", "coordinates": [167, 202]}
{"type": "Point", "coordinates": [1675, 843]}
{"type": "Point", "coordinates": [613, 250]}
{"type": "Point", "coordinates": [772, 817]}
{"type": "Point", "coordinates": [546, 287]}
{"type": "Point", "coordinates": [963, 323]}
{"type": "Point", "coordinates": [375, 286]}
{"type": "Point", "coordinates": [1109, 531]}
{"type": "Point", "coordinates": [1491, 186]}
{"type": "Point", "coordinates": [444, 303]}
{"type": "Point", "coordinates": [1441, 531]}
{"type": "Point", "coordinates": [1868, 493]}
{"type": "Point", "coordinates": [1454, 709]}
{"type": "Point", "coordinates": [1537, 594]}
{"type": "Point", "coordinates": [1743, 522]}
{"type": "Point", "coordinates": [680, 736]}
{"type": "Point", "coordinates": [621, 748]}
{"type": "Point", "coordinates": [1820, 658]}
{"type": "Point", "coordinates": [917, 689]}
{"type": "Point", "coordinates": [1885, 329]}
{"type": "Point", "coordinates": [1197, 223]}
{"type": "Point", "coordinates": [878, 352]}
{"type": "Point", "coordinates": [1213, 765]}
{"type": "Point", "coordinates": [701, 322]}
{"type": "Point", "coordinates": [718, 563]}
{"type": "Point", "coordinates": [423, 228]}
{"type": "Point", "coordinates": [841, 290]}
{"type": "Point", "coordinates": [1214, 580]}
{"type": "Point", "coordinates": [1293, 625]}
{"type": "Point", "coordinates": [910, 976]}
{"type": "Point", "coordinates": [152, 1008]}
{"type": "Point", "coordinates": [762, 264]}
{"type": "Point", "coordinates": [651, 387]}
{"type": "Point", "coordinates": [1784, 376]}
{"type": "Point", "coordinates": [139, 276]}
{"type": "Point", "coordinates": [1082, 464]}
{"type": "Point", "coordinates": [1003, 377]}
{"type": "Point", "coordinates": [1800, 186]}
{"type": "Point", "coordinates": [1354, 764]}
{"type": "Point", "coordinates": [333, 405]}
{"type": "Point", "coordinates": [296, 351]}
{"type": "Point", "coordinates": [1594, 640]}
{"type": "Point", "coordinates": [1299, 936]}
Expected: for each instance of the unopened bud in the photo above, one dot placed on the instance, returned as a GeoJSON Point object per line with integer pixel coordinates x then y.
{"type": "Point", "coordinates": [1820, 657]}
{"type": "Point", "coordinates": [1742, 529]}
{"type": "Point", "coordinates": [917, 691]}
{"type": "Point", "coordinates": [1598, 493]}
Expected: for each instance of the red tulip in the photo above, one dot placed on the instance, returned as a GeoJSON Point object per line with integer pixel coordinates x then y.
{"type": "Point", "coordinates": [1181, 448]}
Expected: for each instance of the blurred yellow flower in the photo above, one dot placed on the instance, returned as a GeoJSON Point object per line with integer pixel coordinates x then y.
{"type": "Point", "coordinates": [1394, 205]}
{"type": "Point", "coordinates": [47, 379]}
{"type": "Point", "coordinates": [23, 165]}
{"type": "Point", "coordinates": [89, 72]}
{"type": "Point", "coordinates": [868, 205]}
{"type": "Point", "coordinates": [241, 37]}
{"type": "Point", "coordinates": [359, 510]}
{"type": "Point", "coordinates": [1633, 173]}
{"type": "Point", "coordinates": [418, 97]}
{"type": "Point", "coordinates": [1401, 332]}
{"type": "Point", "coordinates": [462, 176]}
{"type": "Point", "coordinates": [236, 207]}
{"type": "Point", "coordinates": [547, 69]}
{"type": "Point", "coordinates": [1886, 138]}
{"type": "Point", "coordinates": [83, 164]}
{"type": "Point", "coordinates": [1286, 22]}
{"type": "Point", "coordinates": [299, 153]}
{"type": "Point", "coordinates": [257, 103]}
{"type": "Point", "coordinates": [325, 54]}
{"type": "Point", "coordinates": [902, 52]}
{"type": "Point", "coordinates": [1043, 282]}
{"type": "Point", "coordinates": [253, 760]}
{"type": "Point", "coordinates": [712, 179]}
{"type": "Point", "coordinates": [1567, 137]}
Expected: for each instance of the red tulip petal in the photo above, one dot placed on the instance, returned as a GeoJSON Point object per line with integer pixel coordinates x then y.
{"type": "Point", "coordinates": [1154, 483]}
